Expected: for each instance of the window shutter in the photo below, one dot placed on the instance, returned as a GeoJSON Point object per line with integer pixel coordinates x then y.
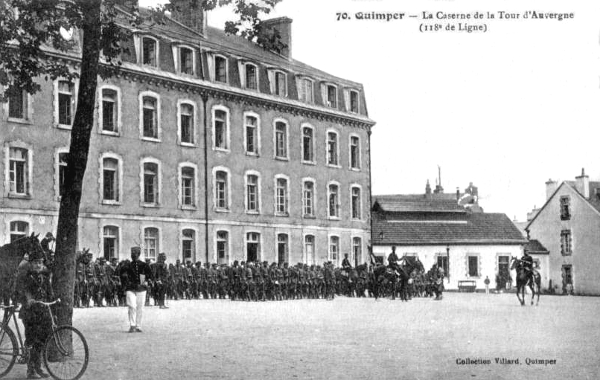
{"type": "Point", "coordinates": [324, 94]}
{"type": "Point", "coordinates": [271, 75]}
{"type": "Point", "coordinates": [210, 62]}
{"type": "Point", "coordinates": [138, 51]}
{"type": "Point", "coordinates": [347, 99]}
{"type": "Point", "coordinates": [300, 88]}
{"type": "Point", "coordinates": [242, 72]}
{"type": "Point", "coordinates": [176, 58]}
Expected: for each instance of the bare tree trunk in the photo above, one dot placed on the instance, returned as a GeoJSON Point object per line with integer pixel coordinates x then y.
{"type": "Point", "coordinates": [66, 239]}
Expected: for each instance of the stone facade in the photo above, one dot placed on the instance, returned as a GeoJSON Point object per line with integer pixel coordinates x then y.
{"type": "Point", "coordinates": [202, 169]}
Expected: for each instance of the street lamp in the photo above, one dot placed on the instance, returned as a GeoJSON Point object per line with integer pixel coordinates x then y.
{"type": "Point", "coordinates": [448, 258]}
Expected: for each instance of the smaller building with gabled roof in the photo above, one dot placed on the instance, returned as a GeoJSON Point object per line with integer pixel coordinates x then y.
{"type": "Point", "coordinates": [568, 226]}
{"type": "Point", "coordinates": [439, 229]}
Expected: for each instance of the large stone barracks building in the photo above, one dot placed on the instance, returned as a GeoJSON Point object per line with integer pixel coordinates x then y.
{"type": "Point", "coordinates": [205, 146]}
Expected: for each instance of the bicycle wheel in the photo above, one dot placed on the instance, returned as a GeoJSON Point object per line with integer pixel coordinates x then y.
{"type": "Point", "coordinates": [8, 350]}
{"type": "Point", "coordinates": [66, 353]}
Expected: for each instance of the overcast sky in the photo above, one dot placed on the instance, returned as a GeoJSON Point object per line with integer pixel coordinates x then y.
{"type": "Point", "coordinates": [506, 109]}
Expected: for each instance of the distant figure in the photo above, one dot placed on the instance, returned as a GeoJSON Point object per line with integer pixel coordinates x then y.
{"type": "Point", "coordinates": [487, 285]}
{"type": "Point", "coordinates": [393, 259]}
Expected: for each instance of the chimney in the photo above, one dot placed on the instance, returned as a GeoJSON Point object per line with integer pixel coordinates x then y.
{"type": "Point", "coordinates": [457, 194]}
{"type": "Point", "coordinates": [551, 187]}
{"type": "Point", "coordinates": [192, 16]}
{"type": "Point", "coordinates": [582, 184]}
{"type": "Point", "coordinates": [427, 188]}
{"type": "Point", "coordinates": [284, 26]}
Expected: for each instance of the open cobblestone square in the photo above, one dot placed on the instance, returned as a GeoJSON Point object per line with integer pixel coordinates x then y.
{"type": "Point", "coordinates": [347, 339]}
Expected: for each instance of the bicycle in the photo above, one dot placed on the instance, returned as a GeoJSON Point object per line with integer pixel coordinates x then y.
{"type": "Point", "coordinates": [65, 351]}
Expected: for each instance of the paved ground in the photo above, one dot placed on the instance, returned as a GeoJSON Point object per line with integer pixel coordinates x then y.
{"type": "Point", "coordinates": [347, 339]}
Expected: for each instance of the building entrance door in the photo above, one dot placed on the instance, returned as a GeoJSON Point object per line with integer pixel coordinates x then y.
{"type": "Point", "coordinates": [503, 273]}
{"type": "Point", "coordinates": [567, 276]}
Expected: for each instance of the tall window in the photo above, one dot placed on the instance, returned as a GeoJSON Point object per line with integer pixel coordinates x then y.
{"type": "Point", "coordinates": [251, 134]}
{"type": "Point", "coordinates": [308, 198]}
{"type": "Point", "coordinates": [62, 168]}
{"type": "Point", "coordinates": [252, 246]}
{"type": "Point", "coordinates": [151, 242]}
{"type": "Point", "coordinates": [334, 201]}
{"type": "Point", "coordinates": [110, 239]}
{"type": "Point", "coordinates": [18, 230]}
{"type": "Point", "coordinates": [309, 249]}
{"type": "Point", "coordinates": [66, 99]}
{"type": "Point", "coordinates": [280, 84]}
{"type": "Point", "coordinates": [186, 123]}
{"type": "Point", "coordinates": [187, 186]}
{"type": "Point", "coordinates": [150, 117]}
{"type": "Point", "coordinates": [17, 104]}
{"type": "Point", "coordinates": [306, 90]}
{"type": "Point", "coordinates": [251, 77]}
{"type": "Point", "coordinates": [280, 140]}
{"type": "Point", "coordinates": [281, 196]}
{"type": "Point", "coordinates": [221, 196]}
{"type": "Point", "coordinates": [220, 69]}
{"type": "Point", "coordinates": [355, 203]}
{"type": "Point", "coordinates": [186, 61]}
{"type": "Point", "coordinates": [18, 171]}
{"type": "Point", "coordinates": [188, 244]}
{"type": "Point", "coordinates": [222, 247]}
{"type": "Point", "coordinates": [331, 96]}
{"type": "Point", "coordinates": [357, 249]}
{"type": "Point", "coordinates": [565, 242]}
{"type": "Point", "coordinates": [354, 152]}
{"type": "Point", "coordinates": [334, 248]}
{"type": "Point", "coordinates": [565, 208]}
{"type": "Point", "coordinates": [149, 51]}
{"type": "Point", "coordinates": [110, 177]}
{"type": "Point", "coordinates": [150, 183]}
{"type": "Point", "coordinates": [282, 248]}
{"type": "Point", "coordinates": [354, 101]}
{"type": "Point", "coordinates": [442, 262]}
{"type": "Point", "coordinates": [308, 154]}
{"type": "Point", "coordinates": [109, 111]}
{"type": "Point", "coordinates": [332, 148]}
{"type": "Point", "coordinates": [252, 203]}
{"type": "Point", "coordinates": [220, 129]}
{"type": "Point", "coordinates": [473, 263]}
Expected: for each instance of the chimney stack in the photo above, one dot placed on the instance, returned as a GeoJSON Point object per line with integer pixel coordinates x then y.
{"type": "Point", "coordinates": [194, 17]}
{"type": "Point", "coordinates": [582, 184]}
{"type": "Point", "coordinates": [457, 194]}
{"type": "Point", "coordinates": [551, 187]}
{"type": "Point", "coordinates": [284, 26]}
{"type": "Point", "coordinates": [427, 188]}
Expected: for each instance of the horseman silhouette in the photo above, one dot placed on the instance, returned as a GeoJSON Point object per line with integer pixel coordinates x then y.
{"type": "Point", "coordinates": [526, 276]}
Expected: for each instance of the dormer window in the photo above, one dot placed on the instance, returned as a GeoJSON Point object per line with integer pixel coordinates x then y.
{"type": "Point", "coordinates": [353, 101]}
{"type": "Point", "coordinates": [306, 90]}
{"type": "Point", "coordinates": [149, 51]}
{"type": "Point", "coordinates": [251, 76]}
{"type": "Point", "coordinates": [185, 61]}
{"type": "Point", "coordinates": [331, 96]}
{"type": "Point", "coordinates": [278, 82]}
{"type": "Point", "coordinates": [220, 69]}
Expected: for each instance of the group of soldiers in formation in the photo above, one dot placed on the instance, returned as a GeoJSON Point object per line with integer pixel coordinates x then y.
{"type": "Point", "coordinates": [99, 281]}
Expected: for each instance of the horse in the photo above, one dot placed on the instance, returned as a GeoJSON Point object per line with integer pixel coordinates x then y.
{"type": "Point", "coordinates": [11, 255]}
{"type": "Point", "coordinates": [524, 279]}
{"type": "Point", "coordinates": [409, 265]}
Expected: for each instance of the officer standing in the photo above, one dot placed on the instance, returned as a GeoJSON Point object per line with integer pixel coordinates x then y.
{"type": "Point", "coordinates": [36, 286]}
{"type": "Point", "coordinates": [135, 276]}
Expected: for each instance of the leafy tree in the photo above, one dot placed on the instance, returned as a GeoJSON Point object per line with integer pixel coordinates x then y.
{"type": "Point", "coordinates": [32, 32]}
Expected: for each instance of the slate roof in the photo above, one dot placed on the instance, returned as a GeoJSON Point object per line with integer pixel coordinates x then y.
{"type": "Point", "coordinates": [535, 247]}
{"type": "Point", "coordinates": [594, 199]}
{"type": "Point", "coordinates": [431, 229]}
{"type": "Point", "coordinates": [417, 203]}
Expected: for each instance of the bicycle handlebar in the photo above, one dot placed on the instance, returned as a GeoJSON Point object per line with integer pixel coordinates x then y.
{"type": "Point", "coordinates": [48, 303]}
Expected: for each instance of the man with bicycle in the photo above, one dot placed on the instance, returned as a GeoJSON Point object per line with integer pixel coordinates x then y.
{"type": "Point", "coordinates": [36, 286]}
